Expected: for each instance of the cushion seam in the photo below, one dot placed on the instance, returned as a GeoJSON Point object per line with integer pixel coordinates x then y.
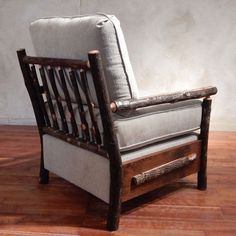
{"type": "Point", "coordinates": [120, 52]}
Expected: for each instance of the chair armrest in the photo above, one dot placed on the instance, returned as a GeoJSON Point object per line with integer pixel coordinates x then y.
{"type": "Point", "coordinates": [123, 105]}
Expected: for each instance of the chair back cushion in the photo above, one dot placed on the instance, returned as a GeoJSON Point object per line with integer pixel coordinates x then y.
{"type": "Point", "coordinates": [74, 37]}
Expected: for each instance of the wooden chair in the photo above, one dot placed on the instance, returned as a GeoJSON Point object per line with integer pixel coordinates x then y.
{"type": "Point", "coordinates": [95, 131]}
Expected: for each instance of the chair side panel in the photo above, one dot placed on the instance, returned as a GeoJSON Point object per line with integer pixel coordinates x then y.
{"type": "Point", "coordinates": [83, 168]}
{"type": "Point", "coordinates": [140, 165]}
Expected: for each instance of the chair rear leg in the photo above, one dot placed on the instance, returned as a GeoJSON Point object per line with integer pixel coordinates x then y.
{"type": "Point", "coordinates": [202, 174]}
{"type": "Point", "coordinates": [43, 173]}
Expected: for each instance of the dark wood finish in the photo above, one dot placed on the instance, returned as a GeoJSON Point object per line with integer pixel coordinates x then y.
{"type": "Point", "coordinates": [76, 141]}
{"type": "Point", "coordinates": [122, 105]}
{"type": "Point", "coordinates": [31, 90]}
{"type": "Point", "coordinates": [39, 94]}
{"type": "Point", "coordinates": [43, 173]}
{"type": "Point", "coordinates": [58, 100]}
{"type": "Point", "coordinates": [84, 123]}
{"type": "Point", "coordinates": [49, 98]}
{"type": "Point", "coordinates": [110, 140]}
{"type": "Point", "coordinates": [62, 208]}
{"type": "Point", "coordinates": [96, 137]}
{"type": "Point", "coordinates": [68, 103]}
{"type": "Point", "coordinates": [57, 62]}
{"type": "Point", "coordinates": [132, 168]}
{"type": "Point", "coordinates": [156, 172]}
{"type": "Point", "coordinates": [202, 174]}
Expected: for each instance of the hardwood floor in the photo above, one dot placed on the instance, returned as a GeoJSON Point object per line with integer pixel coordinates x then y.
{"type": "Point", "coordinates": [60, 208]}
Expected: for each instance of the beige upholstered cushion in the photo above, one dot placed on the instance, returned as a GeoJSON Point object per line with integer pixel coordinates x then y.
{"type": "Point", "coordinates": [74, 37]}
{"type": "Point", "coordinates": [150, 125]}
{"type": "Point", "coordinates": [153, 124]}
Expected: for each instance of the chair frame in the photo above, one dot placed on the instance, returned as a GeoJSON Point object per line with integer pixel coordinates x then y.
{"type": "Point", "coordinates": [125, 178]}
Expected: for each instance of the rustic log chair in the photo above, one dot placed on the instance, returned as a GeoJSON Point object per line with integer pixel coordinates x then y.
{"type": "Point", "coordinates": [95, 131]}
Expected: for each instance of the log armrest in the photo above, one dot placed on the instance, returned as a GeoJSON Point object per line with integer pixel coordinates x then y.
{"type": "Point", "coordinates": [123, 105]}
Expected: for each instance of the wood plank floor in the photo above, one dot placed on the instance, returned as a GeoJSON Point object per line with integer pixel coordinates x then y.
{"type": "Point", "coordinates": [60, 208]}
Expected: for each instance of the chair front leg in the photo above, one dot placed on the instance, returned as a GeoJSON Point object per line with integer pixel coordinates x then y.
{"type": "Point", "coordinates": [113, 217]}
{"type": "Point", "coordinates": [202, 174]}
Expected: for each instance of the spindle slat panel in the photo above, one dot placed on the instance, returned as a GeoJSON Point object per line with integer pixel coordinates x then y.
{"type": "Point", "coordinates": [84, 123]}
{"type": "Point", "coordinates": [58, 100]}
{"type": "Point", "coordinates": [96, 137]}
{"type": "Point", "coordinates": [49, 99]}
{"type": "Point", "coordinates": [63, 88]}
{"type": "Point", "coordinates": [68, 103]}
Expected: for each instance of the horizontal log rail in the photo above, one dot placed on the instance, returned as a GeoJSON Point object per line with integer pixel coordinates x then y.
{"type": "Point", "coordinates": [163, 169]}
{"type": "Point", "coordinates": [123, 105]}
{"type": "Point", "coordinates": [45, 61]}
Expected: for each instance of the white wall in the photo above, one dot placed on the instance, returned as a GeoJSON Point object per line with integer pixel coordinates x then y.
{"type": "Point", "coordinates": [15, 16]}
{"type": "Point", "coordinates": [173, 45]}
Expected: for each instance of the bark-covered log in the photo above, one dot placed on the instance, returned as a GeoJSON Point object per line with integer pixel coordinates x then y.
{"type": "Point", "coordinates": [44, 61]}
{"type": "Point", "coordinates": [162, 170]}
{"type": "Point", "coordinates": [122, 105]}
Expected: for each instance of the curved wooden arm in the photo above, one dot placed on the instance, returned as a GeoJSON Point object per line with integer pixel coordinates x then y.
{"type": "Point", "coordinates": [123, 105]}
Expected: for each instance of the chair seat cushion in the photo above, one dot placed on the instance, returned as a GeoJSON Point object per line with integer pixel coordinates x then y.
{"type": "Point", "coordinates": [146, 126]}
{"type": "Point", "coordinates": [153, 124]}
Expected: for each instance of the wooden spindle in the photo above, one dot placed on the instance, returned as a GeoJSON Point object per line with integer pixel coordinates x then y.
{"type": "Point", "coordinates": [58, 100]}
{"type": "Point", "coordinates": [84, 123]}
{"type": "Point", "coordinates": [49, 98]}
{"type": "Point", "coordinates": [94, 130]}
{"type": "Point", "coordinates": [68, 102]}
{"type": "Point", "coordinates": [39, 94]}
